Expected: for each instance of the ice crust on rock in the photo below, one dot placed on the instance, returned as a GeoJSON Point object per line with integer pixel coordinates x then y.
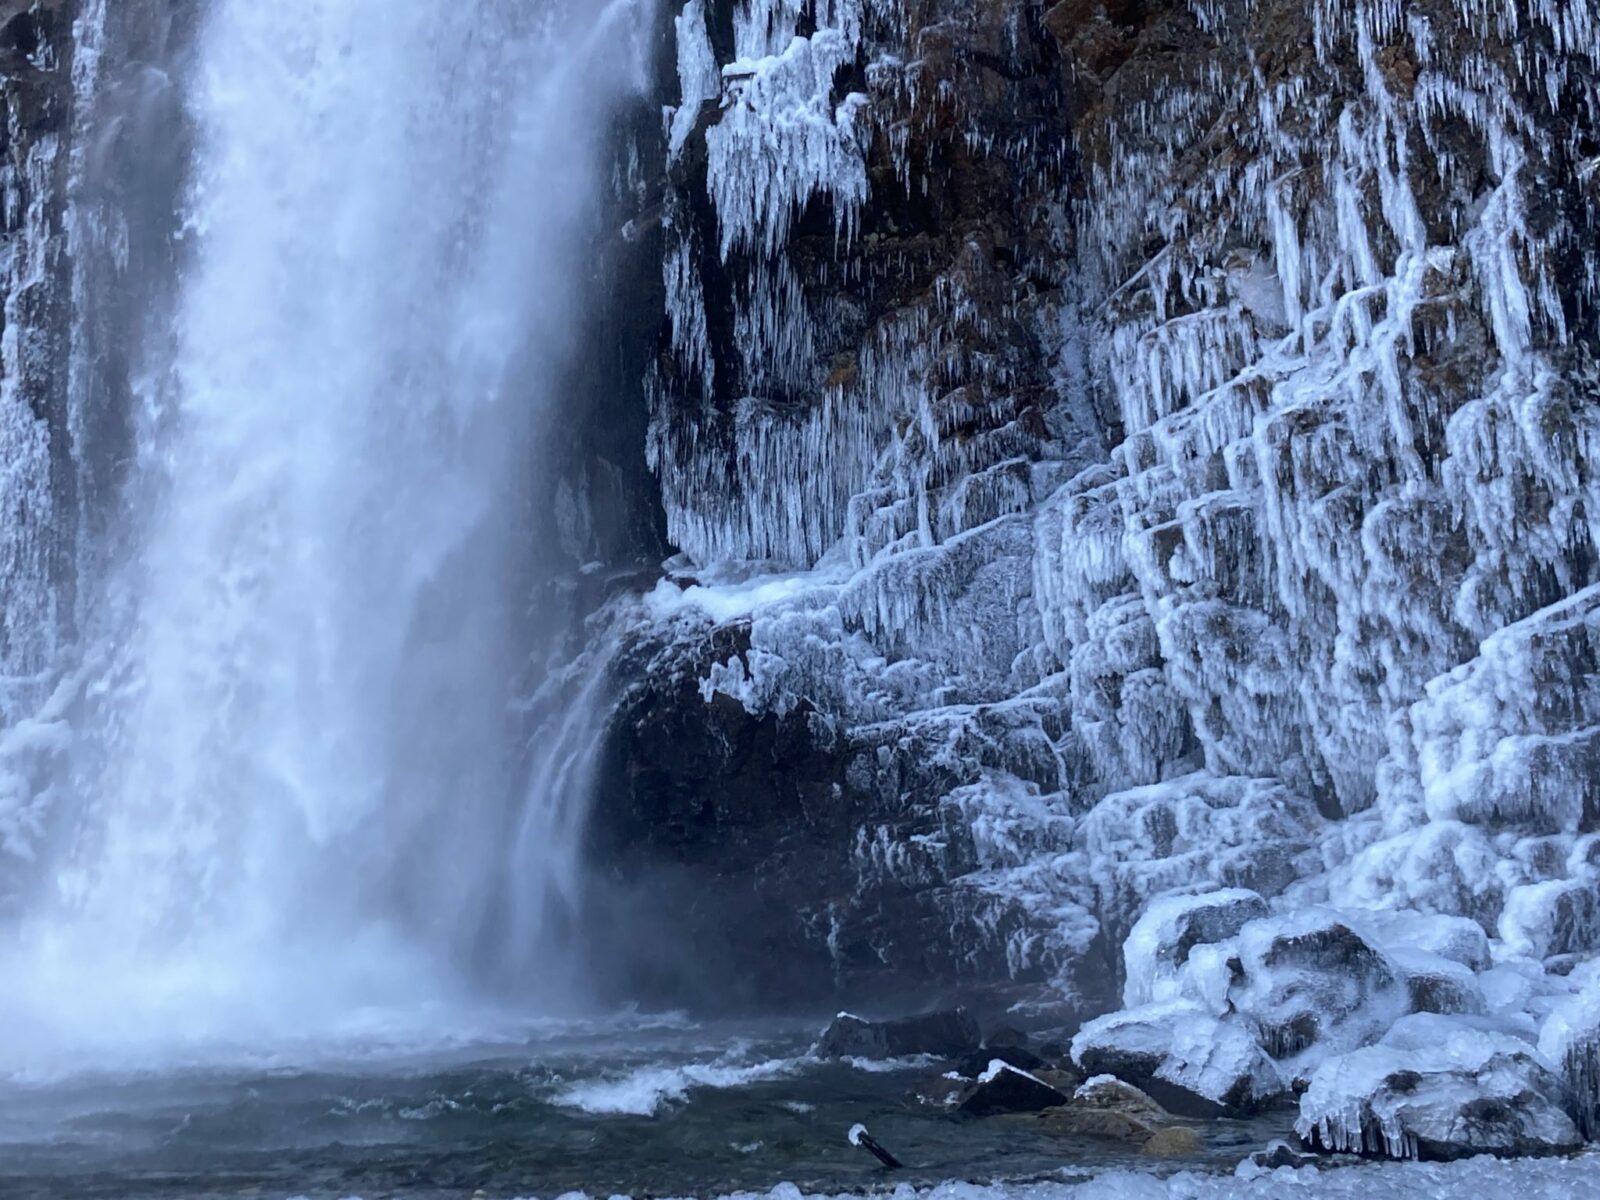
{"type": "Point", "coordinates": [1190, 1061]}
{"type": "Point", "coordinates": [1172, 926]}
{"type": "Point", "coordinates": [1438, 1088]}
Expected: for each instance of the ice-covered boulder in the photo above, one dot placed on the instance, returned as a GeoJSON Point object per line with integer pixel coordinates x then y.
{"type": "Point", "coordinates": [1189, 1061]}
{"type": "Point", "coordinates": [1171, 927]}
{"type": "Point", "coordinates": [1309, 983]}
{"type": "Point", "coordinates": [1570, 1040]}
{"type": "Point", "coordinates": [1438, 1088]}
{"type": "Point", "coordinates": [1459, 939]}
{"type": "Point", "coordinates": [948, 1034]}
{"type": "Point", "coordinates": [1556, 917]}
{"type": "Point", "coordinates": [1436, 984]}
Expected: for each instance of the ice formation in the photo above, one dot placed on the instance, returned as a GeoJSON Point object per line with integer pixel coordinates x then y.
{"type": "Point", "coordinates": [1291, 584]}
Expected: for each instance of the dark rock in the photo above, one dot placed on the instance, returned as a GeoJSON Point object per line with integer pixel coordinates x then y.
{"type": "Point", "coordinates": [1020, 1057]}
{"type": "Point", "coordinates": [951, 1034]}
{"type": "Point", "coordinates": [1064, 1079]}
{"type": "Point", "coordinates": [1006, 1035]}
{"type": "Point", "coordinates": [1004, 1089]}
{"type": "Point", "coordinates": [1056, 1051]}
{"type": "Point", "coordinates": [1281, 1154]}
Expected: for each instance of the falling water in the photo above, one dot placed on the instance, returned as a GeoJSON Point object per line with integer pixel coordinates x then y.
{"type": "Point", "coordinates": [297, 767]}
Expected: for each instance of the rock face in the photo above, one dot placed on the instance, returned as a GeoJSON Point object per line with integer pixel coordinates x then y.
{"type": "Point", "coordinates": [1172, 422]}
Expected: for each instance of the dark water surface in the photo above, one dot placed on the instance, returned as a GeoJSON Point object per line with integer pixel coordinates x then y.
{"type": "Point", "coordinates": [669, 1111]}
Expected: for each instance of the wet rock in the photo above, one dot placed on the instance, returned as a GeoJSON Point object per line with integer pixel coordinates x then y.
{"type": "Point", "coordinates": [1100, 1123]}
{"type": "Point", "coordinates": [1020, 1057]}
{"type": "Point", "coordinates": [1063, 1078]}
{"type": "Point", "coordinates": [1006, 1035]}
{"type": "Point", "coordinates": [1175, 1141]}
{"type": "Point", "coordinates": [944, 1092]}
{"type": "Point", "coordinates": [950, 1034]}
{"type": "Point", "coordinates": [1281, 1154]}
{"type": "Point", "coordinates": [1109, 1092]}
{"type": "Point", "coordinates": [1004, 1089]}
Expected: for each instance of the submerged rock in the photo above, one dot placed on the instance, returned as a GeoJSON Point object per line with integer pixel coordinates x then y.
{"type": "Point", "coordinates": [1175, 1141]}
{"type": "Point", "coordinates": [949, 1034]}
{"type": "Point", "coordinates": [1103, 1124]}
{"type": "Point", "coordinates": [1281, 1154]}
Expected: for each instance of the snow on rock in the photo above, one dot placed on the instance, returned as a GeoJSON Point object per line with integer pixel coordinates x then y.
{"type": "Point", "coordinates": [1004, 1088]}
{"type": "Point", "coordinates": [1196, 831]}
{"type": "Point", "coordinates": [1438, 1088]}
{"type": "Point", "coordinates": [1308, 981]}
{"type": "Point", "coordinates": [1555, 917]}
{"type": "Point", "coordinates": [1172, 926]}
{"type": "Point", "coordinates": [1189, 1061]}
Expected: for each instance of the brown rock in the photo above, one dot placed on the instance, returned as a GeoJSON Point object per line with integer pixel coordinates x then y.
{"type": "Point", "coordinates": [1175, 1141]}
{"type": "Point", "coordinates": [1104, 1124]}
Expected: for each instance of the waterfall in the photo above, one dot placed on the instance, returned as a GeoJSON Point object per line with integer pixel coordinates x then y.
{"type": "Point", "coordinates": [296, 759]}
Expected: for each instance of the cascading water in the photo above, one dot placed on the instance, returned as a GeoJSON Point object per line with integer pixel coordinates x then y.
{"type": "Point", "coordinates": [295, 768]}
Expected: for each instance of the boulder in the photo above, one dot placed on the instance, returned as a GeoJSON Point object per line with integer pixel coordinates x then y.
{"type": "Point", "coordinates": [1309, 982]}
{"type": "Point", "coordinates": [1171, 927]}
{"type": "Point", "coordinates": [1103, 1124]}
{"type": "Point", "coordinates": [1108, 1109]}
{"type": "Point", "coordinates": [1109, 1092]}
{"type": "Point", "coordinates": [1438, 1088]}
{"type": "Point", "coordinates": [1020, 1057]}
{"type": "Point", "coordinates": [1188, 1061]}
{"type": "Point", "coordinates": [949, 1034]}
{"type": "Point", "coordinates": [1570, 1040]}
{"type": "Point", "coordinates": [1175, 1141]}
{"type": "Point", "coordinates": [1006, 1035]}
{"type": "Point", "coordinates": [1004, 1089]}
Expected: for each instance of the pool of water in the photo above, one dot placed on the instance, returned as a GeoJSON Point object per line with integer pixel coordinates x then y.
{"type": "Point", "coordinates": [655, 1109]}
